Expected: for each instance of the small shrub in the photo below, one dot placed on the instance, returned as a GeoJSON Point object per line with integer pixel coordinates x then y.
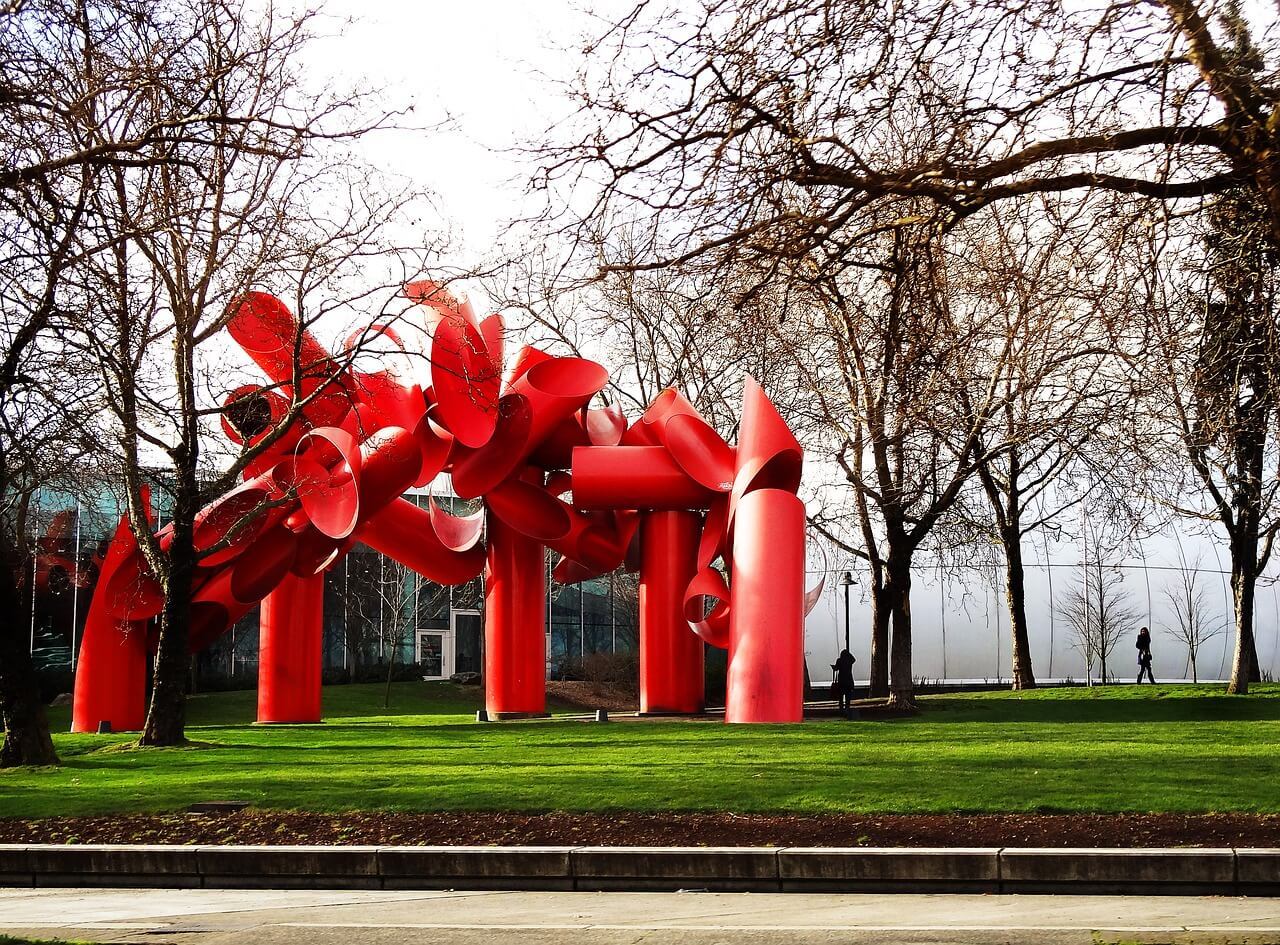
{"type": "Point", "coordinates": [621, 670]}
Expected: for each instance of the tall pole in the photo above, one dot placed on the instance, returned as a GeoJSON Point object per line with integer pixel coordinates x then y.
{"type": "Point", "coordinates": [846, 618]}
{"type": "Point", "coordinates": [75, 590]}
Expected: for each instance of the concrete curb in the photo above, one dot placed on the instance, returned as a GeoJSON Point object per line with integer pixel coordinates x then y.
{"type": "Point", "coordinates": [1183, 871]}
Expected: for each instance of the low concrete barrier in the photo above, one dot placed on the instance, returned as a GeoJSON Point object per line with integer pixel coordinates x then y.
{"type": "Point", "coordinates": [728, 869]}
{"type": "Point", "coordinates": [475, 867]}
{"type": "Point", "coordinates": [1258, 872]}
{"type": "Point", "coordinates": [889, 869]}
{"type": "Point", "coordinates": [281, 867]}
{"type": "Point", "coordinates": [1142, 871]}
{"type": "Point", "coordinates": [100, 865]}
{"type": "Point", "coordinates": [1185, 871]}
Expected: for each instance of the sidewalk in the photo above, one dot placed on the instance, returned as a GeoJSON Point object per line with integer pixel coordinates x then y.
{"type": "Point", "coordinates": [280, 917]}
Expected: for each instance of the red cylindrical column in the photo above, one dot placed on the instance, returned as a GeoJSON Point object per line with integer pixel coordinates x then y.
{"type": "Point", "coordinates": [111, 674]}
{"type": "Point", "coordinates": [671, 655]}
{"type": "Point", "coordinates": [766, 613]}
{"type": "Point", "coordinates": [515, 643]}
{"type": "Point", "coordinates": [290, 643]}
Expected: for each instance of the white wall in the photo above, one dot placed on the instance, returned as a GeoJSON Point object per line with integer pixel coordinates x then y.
{"type": "Point", "coordinates": [969, 611]}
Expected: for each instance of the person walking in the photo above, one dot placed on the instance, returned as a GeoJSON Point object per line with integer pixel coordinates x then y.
{"type": "Point", "coordinates": [1144, 656]}
{"type": "Point", "coordinates": [844, 678]}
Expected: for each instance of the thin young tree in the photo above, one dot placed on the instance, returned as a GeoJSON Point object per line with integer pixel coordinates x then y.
{"type": "Point", "coordinates": [1193, 621]}
{"type": "Point", "coordinates": [1099, 612]}
{"type": "Point", "coordinates": [383, 599]}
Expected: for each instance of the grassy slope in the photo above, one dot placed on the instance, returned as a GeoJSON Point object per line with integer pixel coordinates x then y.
{"type": "Point", "coordinates": [1160, 748]}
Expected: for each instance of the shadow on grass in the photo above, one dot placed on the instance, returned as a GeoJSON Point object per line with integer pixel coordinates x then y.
{"type": "Point", "coordinates": [1110, 705]}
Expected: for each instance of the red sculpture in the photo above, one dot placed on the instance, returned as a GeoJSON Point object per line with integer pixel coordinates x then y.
{"type": "Point", "coordinates": [666, 494]}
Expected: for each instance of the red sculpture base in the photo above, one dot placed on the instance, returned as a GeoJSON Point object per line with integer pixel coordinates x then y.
{"type": "Point", "coordinates": [766, 624]}
{"type": "Point", "coordinates": [290, 651]}
{"type": "Point", "coordinates": [515, 650]}
{"type": "Point", "coordinates": [111, 676]}
{"type": "Point", "coordinates": [671, 655]}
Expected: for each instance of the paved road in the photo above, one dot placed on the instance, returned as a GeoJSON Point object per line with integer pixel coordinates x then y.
{"type": "Point", "coordinates": [278, 917]}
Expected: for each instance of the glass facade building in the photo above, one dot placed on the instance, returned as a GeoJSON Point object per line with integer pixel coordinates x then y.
{"type": "Point", "coordinates": [376, 611]}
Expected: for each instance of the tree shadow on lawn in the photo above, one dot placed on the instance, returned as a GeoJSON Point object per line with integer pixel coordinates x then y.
{"type": "Point", "coordinates": [1171, 705]}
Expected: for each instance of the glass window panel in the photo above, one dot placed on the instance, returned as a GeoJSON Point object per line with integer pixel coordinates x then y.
{"type": "Point", "coordinates": [432, 654]}
{"type": "Point", "coordinates": [566, 623]}
{"type": "Point", "coordinates": [469, 596]}
{"type": "Point", "coordinates": [433, 605]}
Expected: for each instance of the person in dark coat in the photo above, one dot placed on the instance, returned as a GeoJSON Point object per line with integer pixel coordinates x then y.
{"type": "Point", "coordinates": [844, 678]}
{"type": "Point", "coordinates": [1144, 656]}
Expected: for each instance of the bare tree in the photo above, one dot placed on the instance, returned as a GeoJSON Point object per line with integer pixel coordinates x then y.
{"type": "Point", "coordinates": [1193, 622]}
{"type": "Point", "coordinates": [1062, 390]}
{"type": "Point", "coordinates": [48, 177]}
{"type": "Point", "coordinates": [1099, 612]}
{"type": "Point", "coordinates": [260, 195]}
{"type": "Point", "coordinates": [1211, 300]}
{"type": "Point", "coordinates": [759, 129]}
{"type": "Point", "coordinates": [902, 375]}
{"type": "Point", "coordinates": [780, 147]}
{"type": "Point", "coordinates": [383, 600]}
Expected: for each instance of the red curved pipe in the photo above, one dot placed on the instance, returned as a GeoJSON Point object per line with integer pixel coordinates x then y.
{"type": "Point", "coordinates": [408, 534]}
{"type": "Point", "coordinates": [111, 677]}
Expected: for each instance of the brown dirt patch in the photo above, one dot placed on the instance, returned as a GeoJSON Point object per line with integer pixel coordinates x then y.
{"type": "Point", "coordinates": [593, 695]}
{"type": "Point", "coordinates": [626, 829]}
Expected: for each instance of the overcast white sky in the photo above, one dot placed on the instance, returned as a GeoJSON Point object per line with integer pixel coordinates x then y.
{"type": "Point", "coordinates": [489, 66]}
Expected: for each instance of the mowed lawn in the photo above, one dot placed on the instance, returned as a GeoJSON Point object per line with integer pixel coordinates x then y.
{"type": "Point", "coordinates": [1158, 748]}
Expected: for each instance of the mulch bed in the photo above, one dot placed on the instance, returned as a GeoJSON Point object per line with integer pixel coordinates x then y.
{"type": "Point", "coordinates": [630, 829]}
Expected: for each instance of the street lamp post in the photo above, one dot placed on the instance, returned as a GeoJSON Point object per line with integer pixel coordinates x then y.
{"type": "Point", "coordinates": [846, 581]}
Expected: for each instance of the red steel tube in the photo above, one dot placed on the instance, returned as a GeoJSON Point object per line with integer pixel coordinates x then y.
{"type": "Point", "coordinates": [766, 613]}
{"type": "Point", "coordinates": [291, 638]}
{"type": "Point", "coordinates": [406, 533]}
{"type": "Point", "coordinates": [515, 651]}
{"type": "Point", "coordinates": [633, 477]}
{"type": "Point", "coordinates": [111, 675]}
{"type": "Point", "coordinates": [671, 654]}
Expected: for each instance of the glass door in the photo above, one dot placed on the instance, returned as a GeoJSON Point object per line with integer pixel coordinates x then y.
{"type": "Point", "coordinates": [467, 634]}
{"type": "Point", "coordinates": [435, 653]}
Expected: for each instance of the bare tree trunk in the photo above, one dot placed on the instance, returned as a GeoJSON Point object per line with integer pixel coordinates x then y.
{"type": "Point", "coordinates": [391, 665]}
{"type": "Point", "coordinates": [879, 669]}
{"type": "Point", "coordinates": [898, 593]}
{"type": "Point", "coordinates": [1242, 587]}
{"type": "Point", "coordinates": [353, 674]}
{"type": "Point", "coordinates": [26, 730]}
{"type": "Point", "coordinates": [167, 714]}
{"type": "Point", "coordinates": [1024, 676]}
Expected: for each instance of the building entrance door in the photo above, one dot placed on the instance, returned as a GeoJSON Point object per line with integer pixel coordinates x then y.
{"type": "Point", "coordinates": [435, 653]}
{"type": "Point", "coordinates": [467, 633]}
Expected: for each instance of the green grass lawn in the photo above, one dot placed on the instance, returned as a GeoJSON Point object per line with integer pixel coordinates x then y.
{"type": "Point", "coordinates": [1158, 748]}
